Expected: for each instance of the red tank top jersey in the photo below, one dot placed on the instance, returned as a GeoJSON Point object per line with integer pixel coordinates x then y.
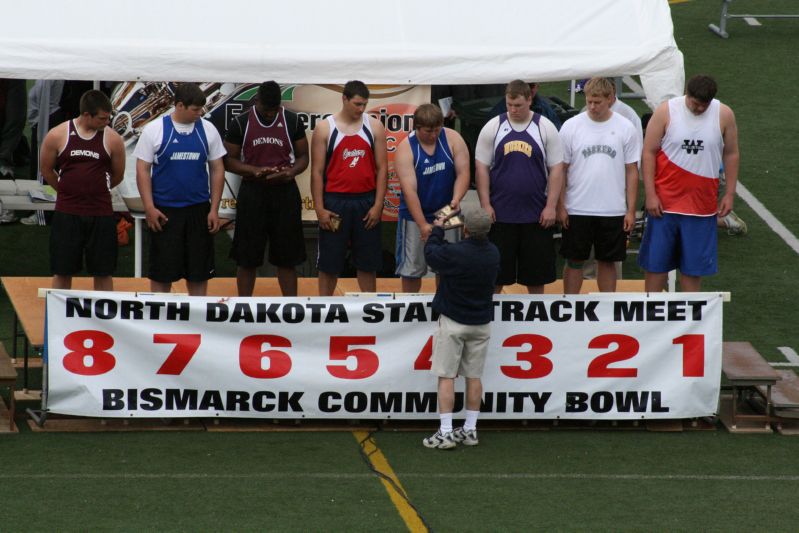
{"type": "Point", "coordinates": [267, 145]}
{"type": "Point", "coordinates": [687, 165]}
{"type": "Point", "coordinates": [350, 160]}
{"type": "Point", "coordinates": [84, 175]}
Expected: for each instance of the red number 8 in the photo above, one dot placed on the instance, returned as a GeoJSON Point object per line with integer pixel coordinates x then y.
{"type": "Point", "coordinates": [101, 360]}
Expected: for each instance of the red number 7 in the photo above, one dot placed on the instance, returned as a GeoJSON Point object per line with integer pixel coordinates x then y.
{"type": "Point", "coordinates": [186, 346]}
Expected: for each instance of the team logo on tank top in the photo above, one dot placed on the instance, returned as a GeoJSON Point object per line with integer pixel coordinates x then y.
{"type": "Point", "coordinates": [692, 147]}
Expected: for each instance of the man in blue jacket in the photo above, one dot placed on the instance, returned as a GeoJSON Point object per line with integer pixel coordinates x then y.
{"type": "Point", "coordinates": [464, 299]}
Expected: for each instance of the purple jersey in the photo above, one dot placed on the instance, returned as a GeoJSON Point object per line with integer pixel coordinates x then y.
{"type": "Point", "coordinates": [518, 173]}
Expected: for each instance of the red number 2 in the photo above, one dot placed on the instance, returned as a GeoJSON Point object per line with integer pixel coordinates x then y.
{"type": "Point", "coordinates": [626, 348]}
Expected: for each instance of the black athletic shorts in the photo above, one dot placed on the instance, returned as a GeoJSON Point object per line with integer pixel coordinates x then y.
{"type": "Point", "coordinates": [268, 213]}
{"type": "Point", "coordinates": [605, 234]}
{"type": "Point", "coordinates": [365, 244]}
{"type": "Point", "coordinates": [183, 249]}
{"type": "Point", "coordinates": [527, 253]}
{"type": "Point", "coordinates": [75, 237]}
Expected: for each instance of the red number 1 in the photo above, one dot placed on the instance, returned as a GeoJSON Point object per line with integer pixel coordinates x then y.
{"type": "Point", "coordinates": [693, 355]}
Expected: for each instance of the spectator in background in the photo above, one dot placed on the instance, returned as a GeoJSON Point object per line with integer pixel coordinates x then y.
{"type": "Point", "coordinates": [539, 105]}
{"type": "Point", "coordinates": [12, 122]}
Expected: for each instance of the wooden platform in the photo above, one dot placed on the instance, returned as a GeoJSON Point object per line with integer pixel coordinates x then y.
{"type": "Point", "coordinates": [61, 424]}
{"type": "Point", "coordinates": [785, 402]}
{"type": "Point", "coordinates": [8, 381]}
{"type": "Point", "coordinates": [57, 424]}
{"type": "Point", "coordinates": [747, 373]}
{"type": "Point", "coordinates": [6, 420]}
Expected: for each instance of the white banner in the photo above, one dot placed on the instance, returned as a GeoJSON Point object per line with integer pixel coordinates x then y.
{"type": "Point", "coordinates": [622, 356]}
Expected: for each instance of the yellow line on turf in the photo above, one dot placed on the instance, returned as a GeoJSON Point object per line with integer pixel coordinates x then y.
{"type": "Point", "coordinates": [380, 463]}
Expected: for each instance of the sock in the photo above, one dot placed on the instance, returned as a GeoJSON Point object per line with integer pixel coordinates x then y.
{"type": "Point", "coordinates": [471, 420]}
{"type": "Point", "coordinates": [446, 422]}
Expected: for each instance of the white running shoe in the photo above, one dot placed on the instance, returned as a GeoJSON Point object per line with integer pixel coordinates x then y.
{"type": "Point", "coordinates": [7, 216]}
{"type": "Point", "coordinates": [441, 441]}
{"type": "Point", "coordinates": [465, 437]}
{"type": "Point", "coordinates": [30, 220]}
{"type": "Point", "coordinates": [735, 225]}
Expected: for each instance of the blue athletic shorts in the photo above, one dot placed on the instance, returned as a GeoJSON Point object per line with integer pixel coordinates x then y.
{"type": "Point", "coordinates": [683, 242]}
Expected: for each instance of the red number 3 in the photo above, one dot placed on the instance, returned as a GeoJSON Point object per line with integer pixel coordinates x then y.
{"type": "Point", "coordinates": [89, 356]}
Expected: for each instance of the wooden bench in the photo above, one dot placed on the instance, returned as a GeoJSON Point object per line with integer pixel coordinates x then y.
{"type": "Point", "coordinates": [747, 372]}
{"type": "Point", "coordinates": [8, 379]}
{"type": "Point", "coordinates": [785, 398]}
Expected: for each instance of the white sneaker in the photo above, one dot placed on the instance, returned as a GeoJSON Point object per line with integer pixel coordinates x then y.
{"type": "Point", "coordinates": [30, 220]}
{"type": "Point", "coordinates": [441, 441]}
{"type": "Point", "coordinates": [465, 437]}
{"type": "Point", "coordinates": [7, 216]}
{"type": "Point", "coordinates": [735, 225]}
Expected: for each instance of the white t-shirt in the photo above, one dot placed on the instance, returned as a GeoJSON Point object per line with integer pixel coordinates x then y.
{"type": "Point", "coordinates": [596, 153]}
{"type": "Point", "coordinates": [484, 150]}
{"type": "Point", "coordinates": [151, 136]}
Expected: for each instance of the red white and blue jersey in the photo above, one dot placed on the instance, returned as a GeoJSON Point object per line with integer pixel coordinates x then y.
{"type": "Point", "coordinates": [84, 175]}
{"type": "Point", "coordinates": [267, 145]}
{"type": "Point", "coordinates": [687, 165]}
{"type": "Point", "coordinates": [350, 163]}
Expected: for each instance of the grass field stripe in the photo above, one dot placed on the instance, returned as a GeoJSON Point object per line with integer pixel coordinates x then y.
{"type": "Point", "coordinates": [77, 476]}
{"type": "Point", "coordinates": [380, 463]}
{"type": "Point", "coordinates": [606, 477]}
{"type": "Point", "coordinates": [784, 233]}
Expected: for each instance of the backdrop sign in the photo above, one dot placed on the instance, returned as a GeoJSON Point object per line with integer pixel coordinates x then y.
{"type": "Point", "coordinates": [577, 357]}
{"type": "Point", "coordinates": [138, 103]}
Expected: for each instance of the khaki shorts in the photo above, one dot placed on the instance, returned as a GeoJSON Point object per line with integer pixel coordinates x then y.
{"type": "Point", "coordinates": [459, 349]}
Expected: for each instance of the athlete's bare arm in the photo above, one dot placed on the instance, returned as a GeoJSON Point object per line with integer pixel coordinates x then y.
{"type": "Point", "coordinates": [318, 155]}
{"type": "Point", "coordinates": [460, 154]}
{"type": "Point", "coordinates": [53, 142]}
{"type": "Point", "coordinates": [374, 214]}
{"type": "Point", "coordinates": [217, 180]}
{"type": "Point", "coordinates": [655, 131]}
{"type": "Point", "coordinates": [730, 157]}
{"type": "Point", "coordinates": [116, 148]}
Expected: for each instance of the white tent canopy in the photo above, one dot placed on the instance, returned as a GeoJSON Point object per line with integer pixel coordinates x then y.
{"type": "Point", "coordinates": [319, 41]}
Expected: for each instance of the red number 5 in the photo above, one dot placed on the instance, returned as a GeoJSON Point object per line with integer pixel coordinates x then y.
{"type": "Point", "coordinates": [366, 361]}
